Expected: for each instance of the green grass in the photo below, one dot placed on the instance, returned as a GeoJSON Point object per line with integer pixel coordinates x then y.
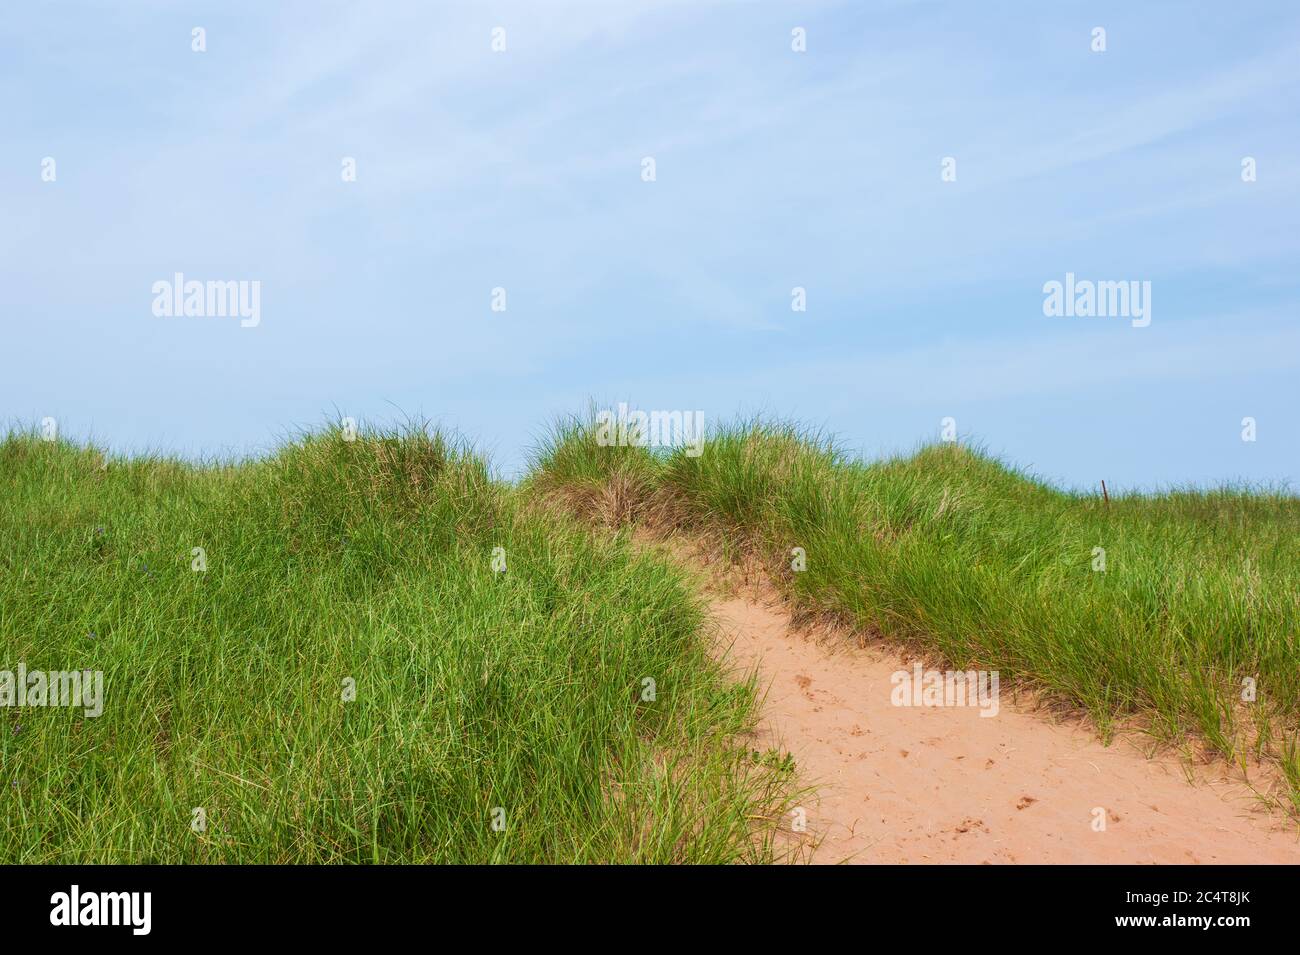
{"type": "Point", "coordinates": [957, 554]}
{"type": "Point", "coordinates": [368, 560]}
{"type": "Point", "coordinates": [334, 563]}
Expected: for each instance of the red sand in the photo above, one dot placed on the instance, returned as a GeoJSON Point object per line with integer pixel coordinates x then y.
{"type": "Point", "coordinates": [943, 784]}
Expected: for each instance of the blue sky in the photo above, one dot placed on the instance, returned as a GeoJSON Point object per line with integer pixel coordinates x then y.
{"type": "Point", "coordinates": [775, 169]}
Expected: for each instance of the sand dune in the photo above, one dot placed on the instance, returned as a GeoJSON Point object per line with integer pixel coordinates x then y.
{"type": "Point", "coordinates": [943, 784]}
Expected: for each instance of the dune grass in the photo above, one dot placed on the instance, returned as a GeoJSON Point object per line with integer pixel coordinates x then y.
{"type": "Point", "coordinates": [1162, 606]}
{"type": "Point", "coordinates": [349, 679]}
{"type": "Point", "coordinates": [346, 677]}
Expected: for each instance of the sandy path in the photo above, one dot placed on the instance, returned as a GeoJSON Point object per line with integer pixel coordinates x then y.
{"type": "Point", "coordinates": [931, 784]}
